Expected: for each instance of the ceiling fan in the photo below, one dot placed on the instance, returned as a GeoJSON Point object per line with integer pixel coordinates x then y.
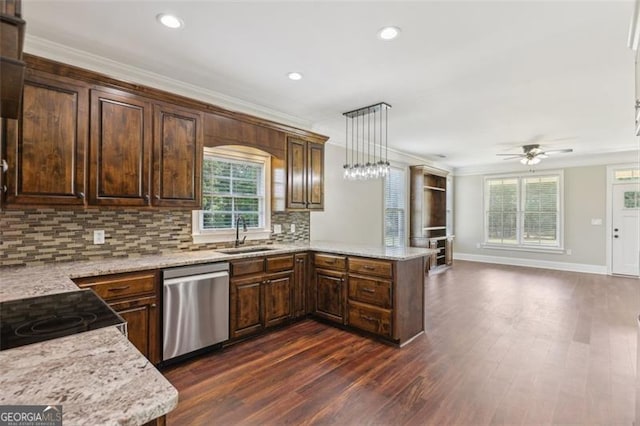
{"type": "Point", "coordinates": [532, 154]}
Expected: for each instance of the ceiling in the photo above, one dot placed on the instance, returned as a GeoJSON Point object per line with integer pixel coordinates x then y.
{"type": "Point", "coordinates": [466, 80]}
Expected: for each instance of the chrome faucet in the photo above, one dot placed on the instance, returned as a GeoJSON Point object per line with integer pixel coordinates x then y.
{"type": "Point", "coordinates": [244, 228]}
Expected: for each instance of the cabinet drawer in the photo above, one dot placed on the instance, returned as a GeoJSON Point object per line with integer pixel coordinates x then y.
{"type": "Point", "coordinates": [369, 318]}
{"type": "Point", "coordinates": [370, 290]}
{"type": "Point", "coordinates": [111, 287]}
{"type": "Point", "coordinates": [330, 261]}
{"type": "Point", "coordinates": [280, 263]}
{"type": "Point", "coordinates": [246, 267]}
{"type": "Point", "coordinates": [380, 268]}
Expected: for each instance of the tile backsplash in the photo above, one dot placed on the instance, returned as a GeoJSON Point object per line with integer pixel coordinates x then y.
{"type": "Point", "coordinates": [40, 236]}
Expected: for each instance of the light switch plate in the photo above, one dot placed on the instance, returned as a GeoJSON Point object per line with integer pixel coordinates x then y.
{"type": "Point", "coordinates": [98, 237]}
{"type": "Point", "coordinates": [293, 228]}
{"type": "Point", "coordinates": [596, 221]}
{"type": "Point", "coordinates": [277, 229]}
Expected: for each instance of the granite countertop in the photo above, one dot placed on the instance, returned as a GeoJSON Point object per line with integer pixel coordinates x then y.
{"type": "Point", "coordinates": [98, 377]}
{"type": "Point", "coordinates": [30, 281]}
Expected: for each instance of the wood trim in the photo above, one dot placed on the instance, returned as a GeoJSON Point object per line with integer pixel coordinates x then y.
{"type": "Point", "coordinates": [58, 68]}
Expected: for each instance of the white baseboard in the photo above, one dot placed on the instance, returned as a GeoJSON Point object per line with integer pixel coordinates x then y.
{"type": "Point", "coordinates": [531, 263]}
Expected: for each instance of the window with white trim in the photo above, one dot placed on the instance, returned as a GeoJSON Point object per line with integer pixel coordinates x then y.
{"type": "Point", "coordinates": [395, 190]}
{"type": "Point", "coordinates": [524, 211]}
{"type": "Point", "coordinates": [234, 183]}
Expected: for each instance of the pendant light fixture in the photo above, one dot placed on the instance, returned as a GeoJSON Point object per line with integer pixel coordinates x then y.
{"type": "Point", "coordinates": [366, 136]}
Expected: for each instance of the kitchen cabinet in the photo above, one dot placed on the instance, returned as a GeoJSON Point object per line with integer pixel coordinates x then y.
{"type": "Point", "coordinates": [134, 297]}
{"type": "Point", "coordinates": [305, 175]}
{"type": "Point", "coordinates": [370, 293]}
{"type": "Point", "coordinates": [329, 287]}
{"type": "Point", "coordinates": [120, 161]}
{"type": "Point", "coordinates": [12, 29]}
{"type": "Point", "coordinates": [300, 280]}
{"type": "Point", "coordinates": [261, 293]}
{"type": "Point", "coordinates": [177, 157]}
{"type": "Point", "coordinates": [45, 148]}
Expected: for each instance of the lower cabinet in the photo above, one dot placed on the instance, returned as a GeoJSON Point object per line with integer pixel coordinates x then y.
{"type": "Point", "coordinates": [133, 296]}
{"type": "Point", "coordinates": [329, 284]}
{"type": "Point", "coordinates": [261, 293]}
{"type": "Point", "coordinates": [301, 305]}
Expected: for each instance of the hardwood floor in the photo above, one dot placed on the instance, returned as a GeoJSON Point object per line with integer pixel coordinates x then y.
{"type": "Point", "coordinates": [503, 345]}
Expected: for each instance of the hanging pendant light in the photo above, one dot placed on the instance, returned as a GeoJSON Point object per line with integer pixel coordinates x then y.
{"type": "Point", "coordinates": [369, 126]}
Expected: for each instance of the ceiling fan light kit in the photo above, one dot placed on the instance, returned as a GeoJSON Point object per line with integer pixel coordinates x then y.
{"type": "Point", "coordinates": [532, 154]}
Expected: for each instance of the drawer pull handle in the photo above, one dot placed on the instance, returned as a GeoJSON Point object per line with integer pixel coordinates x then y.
{"type": "Point", "coordinates": [368, 290]}
{"type": "Point", "coordinates": [124, 287]}
{"type": "Point", "coordinates": [331, 261]}
{"type": "Point", "coordinates": [368, 267]}
{"type": "Point", "coordinates": [368, 318]}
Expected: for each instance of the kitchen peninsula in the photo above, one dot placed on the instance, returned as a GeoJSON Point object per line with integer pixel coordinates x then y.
{"type": "Point", "coordinates": [102, 369]}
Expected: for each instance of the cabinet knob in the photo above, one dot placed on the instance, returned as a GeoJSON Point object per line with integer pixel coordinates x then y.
{"type": "Point", "coordinates": [157, 197]}
{"type": "Point", "coordinates": [153, 305]}
{"type": "Point", "coordinates": [4, 188]}
{"type": "Point", "coordinates": [146, 197]}
{"type": "Point", "coordinates": [80, 195]}
{"type": "Point", "coordinates": [4, 165]}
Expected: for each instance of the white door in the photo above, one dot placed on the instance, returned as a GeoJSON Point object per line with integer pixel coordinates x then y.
{"type": "Point", "coordinates": [625, 234]}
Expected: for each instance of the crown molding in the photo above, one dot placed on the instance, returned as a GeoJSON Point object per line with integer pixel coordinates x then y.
{"type": "Point", "coordinates": [80, 58]}
{"type": "Point", "coordinates": [601, 159]}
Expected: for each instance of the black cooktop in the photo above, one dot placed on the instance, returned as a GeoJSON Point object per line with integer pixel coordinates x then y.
{"type": "Point", "coordinates": [41, 318]}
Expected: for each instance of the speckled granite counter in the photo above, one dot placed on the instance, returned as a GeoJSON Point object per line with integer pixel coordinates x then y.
{"type": "Point", "coordinates": [21, 282]}
{"type": "Point", "coordinates": [98, 377]}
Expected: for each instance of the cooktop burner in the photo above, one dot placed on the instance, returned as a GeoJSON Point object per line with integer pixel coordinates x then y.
{"type": "Point", "coordinates": [36, 319]}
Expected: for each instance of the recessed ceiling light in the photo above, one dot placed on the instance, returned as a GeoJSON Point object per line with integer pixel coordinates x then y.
{"type": "Point", "coordinates": [389, 33]}
{"type": "Point", "coordinates": [294, 76]}
{"type": "Point", "coordinates": [170, 21]}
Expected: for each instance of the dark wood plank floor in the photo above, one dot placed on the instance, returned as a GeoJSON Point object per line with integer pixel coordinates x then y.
{"type": "Point", "coordinates": [504, 345]}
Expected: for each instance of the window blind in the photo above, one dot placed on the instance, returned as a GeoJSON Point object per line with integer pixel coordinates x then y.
{"type": "Point", "coordinates": [232, 188]}
{"type": "Point", "coordinates": [523, 211]}
{"type": "Point", "coordinates": [394, 208]}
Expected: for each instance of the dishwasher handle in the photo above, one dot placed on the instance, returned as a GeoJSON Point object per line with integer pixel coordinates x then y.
{"type": "Point", "coordinates": [200, 277]}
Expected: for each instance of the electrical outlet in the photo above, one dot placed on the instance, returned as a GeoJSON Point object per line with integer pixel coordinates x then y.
{"type": "Point", "coordinates": [98, 237]}
{"type": "Point", "coordinates": [596, 221]}
{"type": "Point", "coordinates": [293, 228]}
{"type": "Point", "coordinates": [277, 229]}
{"type": "Point", "coordinates": [477, 245]}
{"type": "Point", "coordinates": [568, 251]}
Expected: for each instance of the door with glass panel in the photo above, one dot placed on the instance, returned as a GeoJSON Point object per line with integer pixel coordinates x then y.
{"type": "Point", "coordinates": [625, 245]}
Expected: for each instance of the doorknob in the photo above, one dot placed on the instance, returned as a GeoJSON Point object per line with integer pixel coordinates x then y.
{"type": "Point", "coordinates": [615, 236]}
{"type": "Point", "coordinates": [615, 229]}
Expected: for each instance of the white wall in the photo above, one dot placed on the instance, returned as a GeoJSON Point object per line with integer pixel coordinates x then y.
{"type": "Point", "coordinates": [585, 198]}
{"type": "Point", "coordinates": [352, 209]}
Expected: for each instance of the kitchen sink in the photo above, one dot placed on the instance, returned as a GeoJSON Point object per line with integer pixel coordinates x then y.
{"type": "Point", "coordinates": [245, 250]}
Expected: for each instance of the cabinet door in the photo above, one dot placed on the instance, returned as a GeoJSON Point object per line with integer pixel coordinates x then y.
{"type": "Point", "coordinates": [300, 284]}
{"type": "Point", "coordinates": [296, 174]}
{"type": "Point", "coordinates": [277, 298]}
{"type": "Point", "coordinates": [330, 295]}
{"type": "Point", "coordinates": [141, 316]}
{"type": "Point", "coordinates": [120, 149]}
{"type": "Point", "coordinates": [177, 157]}
{"type": "Point", "coordinates": [315, 176]}
{"type": "Point", "coordinates": [45, 147]}
{"type": "Point", "coordinates": [246, 306]}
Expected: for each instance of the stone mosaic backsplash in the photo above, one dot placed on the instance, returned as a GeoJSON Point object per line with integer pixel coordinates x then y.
{"type": "Point", "coordinates": [39, 236]}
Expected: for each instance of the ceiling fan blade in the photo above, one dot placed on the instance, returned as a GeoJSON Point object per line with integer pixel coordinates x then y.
{"type": "Point", "coordinates": [558, 151]}
{"type": "Point", "coordinates": [514, 157]}
{"type": "Point", "coordinates": [511, 155]}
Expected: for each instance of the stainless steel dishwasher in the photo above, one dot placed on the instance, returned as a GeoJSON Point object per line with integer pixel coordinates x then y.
{"type": "Point", "coordinates": [195, 308]}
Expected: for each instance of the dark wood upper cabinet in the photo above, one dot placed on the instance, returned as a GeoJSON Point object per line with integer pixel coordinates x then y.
{"type": "Point", "coordinates": [121, 137]}
{"type": "Point", "coordinates": [177, 157]}
{"type": "Point", "coordinates": [305, 175]}
{"type": "Point", "coordinates": [12, 31]}
{"type": "Point", "coordinates": [45, 148]}
{"type": "Point", "coordinates": [222, 130]}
